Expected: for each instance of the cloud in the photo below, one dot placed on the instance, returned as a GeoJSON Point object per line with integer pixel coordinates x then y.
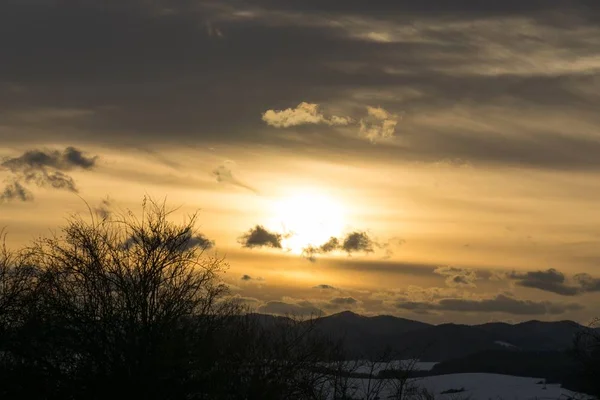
{"type": "Point", "coordinates": [343, 301]}
{"type": "Point", "coordinates": [353, 242]}
{"type": "Point", "coordinates": [261, 237]}
{"type": "Point", "coordinates": [201, 241]}
{"type": "Point", "coordinates": [67, 160]}
{"type": "Point", "coordinates": [104, 209]}
{"type": "Point", "coordinates": [458, 277]}
{"type": "Point", "coordinates": [303, 114]}
{"type": "Point", "coordinates": [224, 174]}
{"type": "Point", "coordinates": [245, 301]}
{"type": "Point", "coordinates": [556, 282]}
{"type": "Point", "coordinates": [16, 191]}
{"type": "Point", "coordinates": [187, 241]}
{"type": "Point", "coordinates": [45, 169]}
{"type": "Point", "coordinates": [378, 125]}
{"type": "Point", "coordinates": [324, 287]}
{"type": "Point", "coordinates": [357, 242]}
{"type": "Point", "coordinates": [248, 278]}
{"type": "Point", "coordinates": [587, 283]}
{"type": "Point", "coordinates": [501, 303]}
{"type": "Point", "coordinates": [302, 308]}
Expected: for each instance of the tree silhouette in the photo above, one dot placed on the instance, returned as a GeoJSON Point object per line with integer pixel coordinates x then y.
{"type": "Point", "coordinates": [133, 307]}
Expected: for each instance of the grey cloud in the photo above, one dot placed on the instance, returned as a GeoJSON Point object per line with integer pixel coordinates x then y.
{"type": "Point", "coordinates": [458, 277]}
{"type": "Point", "coordinates": [261, 237]}
{"type": "Point", "coordinates": [343, 301]}
{"type": "Point", "coordinates": [188, 241]}
{"type": "Point", "coordinates": [555, 281]}
{"type": "Point", "coordinates": [340, 303]}
{"type": "Point", "coordinates": [396, 8]}
{"type": "Point", "coordinates": [104, 210]}
{"type": "Point", "coordinates": [324, 287]}
{"type": "Point", "coordinates": [500, 303]}
{"type": "Point", "coordinates": [201, 241]}
{"type": "Point", "coordinates": [303, 308]}
{"type": "Point", "coordinates": [44, 169]}
{"type": "Point", "coordinates": [587, 282]}
{"type": "Point", "coordinates": [16, 191]}
{"type": "Point", "coordinates": [358, 242]}
{"type": "Point", "coordinates": [66, 160]}
{"type": "Point", "coordinates": [169, 81]}
{"type": "Point", "coordinates": [223, 173]}
{"type": "Point", "coordinates": [353, 242]}
{"type": "Point", "coordinates": [248, 278]}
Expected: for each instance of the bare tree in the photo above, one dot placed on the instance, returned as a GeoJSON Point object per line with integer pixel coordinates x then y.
{"type": "Point", "coordinates": [125, 302]}
{"type": "Point", "coordinates": [134, 307]}
{"type": "Point", "coordinates": [586, 350]}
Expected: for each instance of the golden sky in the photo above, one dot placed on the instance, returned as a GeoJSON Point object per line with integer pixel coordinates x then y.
{"type": "Point", "coordinates": [451, 150]}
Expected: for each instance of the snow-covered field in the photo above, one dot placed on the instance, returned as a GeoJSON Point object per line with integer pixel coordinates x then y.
{"type": "Point", "coordinates": [481, 386]}
{"type": "Point", "coordinates": [367, 367]}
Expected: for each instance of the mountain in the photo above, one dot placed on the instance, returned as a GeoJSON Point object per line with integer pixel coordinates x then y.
{"type": "Point", "coordinates": [535, 335]}
{"type": "Point", "coordinates": [364, 336]}
{"type": "Point", "coordinates": [368, 337]}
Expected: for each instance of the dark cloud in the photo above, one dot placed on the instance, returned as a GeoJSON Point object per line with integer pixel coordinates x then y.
{"type": "Point", "coordinates": [398, 8]}
{"type": "Point", "coordinates": [248, 278]}
{"type": "Point", "coordinates": [555, 281]}
{"type": "Point", "coordinates": [223, 173]}
{"type": "Point", "coordinates": [343, 301]}
{"type": "Point", "coordinates": [260, 237]}
{"type": "Point", "coordinates": [176, 78]}
{"type": "Point", "coordinates": [201, 241]}
{"type": "Point", "coordinates": [16, 191]}
{"type": "Point", "coordinates": [357, 242]}
{"type": "Point", "coordinates": [331, 245]}
{"type": "Point", "coordinates": [303, 308]}
{"type": "Point", "coordinates": [458, 277]}
{"type": "Point", "coordinates": [66, 160]}
{"type": "Point", "coordinates": [353, 242]}
{"type": "Point", "coordinates": [500, 304]}
{"type": "Point", "coordinates": [324, 287]}
{"type": "Point", "coordinates": [104, 210]}
{"type": "Point", "coordinates": [587, 283]}
{"type": "Point", "coordinates": [45, 169]}
{"type": "Point", "coordinates": [188, 241]}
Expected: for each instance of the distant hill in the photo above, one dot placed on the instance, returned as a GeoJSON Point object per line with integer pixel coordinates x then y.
{"type": "Point", "coordinates": [368, 336]}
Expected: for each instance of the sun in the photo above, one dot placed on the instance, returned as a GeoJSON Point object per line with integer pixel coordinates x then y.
{"type": "Point", "coordinates": [307, 218]}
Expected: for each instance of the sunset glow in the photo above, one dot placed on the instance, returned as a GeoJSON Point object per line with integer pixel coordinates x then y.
{"type": "Point", "coordinates": [308, 218]}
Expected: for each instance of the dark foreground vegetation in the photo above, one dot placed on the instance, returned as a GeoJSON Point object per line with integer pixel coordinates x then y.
{"type": "Point", "coordinates": [126, 307]}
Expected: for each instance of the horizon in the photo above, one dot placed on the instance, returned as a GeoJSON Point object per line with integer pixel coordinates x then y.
{"type": "Point", "coordinates": [352, 314]}
{"type": "Point", "coordinates": [436, 162]}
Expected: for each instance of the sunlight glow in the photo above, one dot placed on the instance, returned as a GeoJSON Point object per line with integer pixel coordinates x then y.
{"type": "Point", "coordinates": [307, 218]}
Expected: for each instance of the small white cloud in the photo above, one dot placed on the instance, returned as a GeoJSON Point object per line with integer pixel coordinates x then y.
{"type": "Point", "coordinates": [303, 114]}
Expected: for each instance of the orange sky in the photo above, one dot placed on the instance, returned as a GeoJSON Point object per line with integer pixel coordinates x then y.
{"type": "Point", "coordinates": [460, 142]}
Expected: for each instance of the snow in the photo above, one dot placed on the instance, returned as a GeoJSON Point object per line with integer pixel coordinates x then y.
{"type": "Point", "coordinates": [366, 367]}
{"type": "Point", "coordinates": [505, 344]}
{"type": "Point", "coordinates": [484, 386]}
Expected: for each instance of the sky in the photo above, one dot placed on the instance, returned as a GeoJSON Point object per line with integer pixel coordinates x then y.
{"type": "Point", "coordinates": [434, 160]}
